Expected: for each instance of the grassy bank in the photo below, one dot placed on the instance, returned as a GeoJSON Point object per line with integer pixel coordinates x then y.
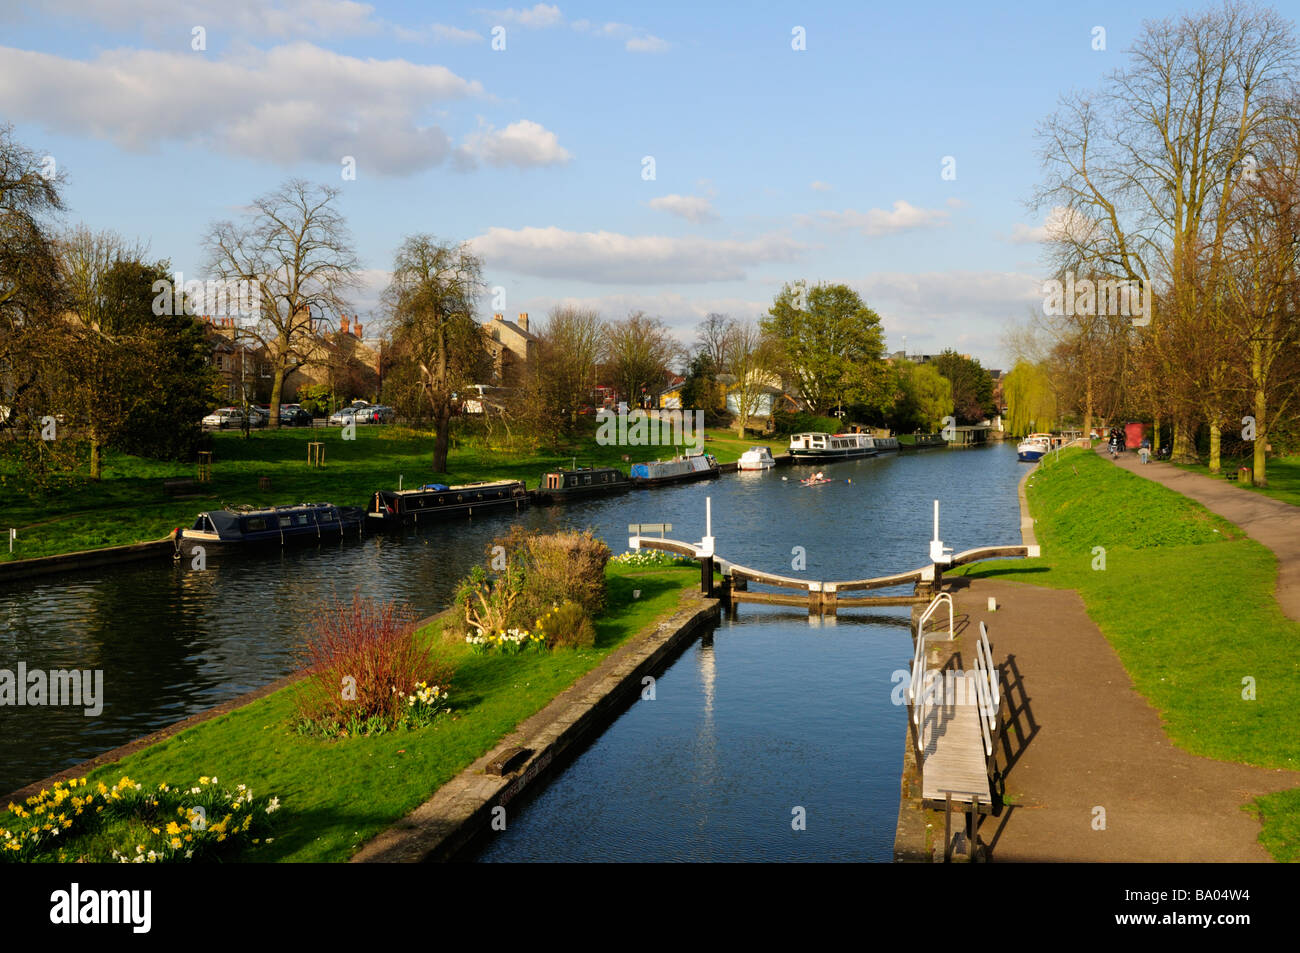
{"type": "Point", "coordinates": [335, 795]}
{"type": "Point", "coordinates": [1188, 603]}
{"type": "Point", "coordinates": [1283, 476]}
{"type": "Point", "coordinates": [129, 504]}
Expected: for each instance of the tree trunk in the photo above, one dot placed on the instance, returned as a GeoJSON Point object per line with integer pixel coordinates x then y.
{"type": "Point", "coordinates": [94, 455]}
{"type": "Point", "coordinates": [1184, 449]}
{"type": "Point", "coordinates": [1155, 433]}
{"type": "Point", "coordinates": [442, 423]}
{"type": "Point", "coordinates": [1259, 463]}
{"type": "Point", "coordinates": [1087, 410]}
{"type": "Point", "coordinates": [1215, 443]}
{"type": "Point", "coordinates": [277, 389]}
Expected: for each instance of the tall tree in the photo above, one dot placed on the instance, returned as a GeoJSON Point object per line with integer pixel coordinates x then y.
{"type": "Point", "coordinates": [830, 343]}
{"type": "Point", "coordinates": [749, 357]}
{"type": "Point", "coordinates": [972, 386]}
{"type": "Point", "coordinates": [571, 348]}
{"type": "Point", "coordinates": [711, 339]}
{"type": "Point", "coordinates": [431, 299]}
{"type": "Point", "coordinates": [1140, 173]}
{"type": "Point", "coordinates": [640, 352]}
{"type": "Point", "coordinates": [295, 246]}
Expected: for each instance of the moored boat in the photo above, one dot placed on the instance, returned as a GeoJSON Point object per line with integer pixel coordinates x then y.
{"type": "Point", "coordinates": [884, 444]}
{"type": "Point", "coordinates": [756, 458]}
{"type": "Point", "coordinates": [562, 484]}
{"type": "Point", "coordinates": [305, 523]}
{"type": "Point", "coordinates": [692, 466]}
{"type": "Point", "coordinates": [825, 446]}
{"type": "Point", "coordinates": [389, 508]}
{"type": "Point", "coordinates": [1033, 447]}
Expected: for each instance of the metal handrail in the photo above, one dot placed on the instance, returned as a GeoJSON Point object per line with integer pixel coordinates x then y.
{"type": "Point", "coordinates": [992, 669]}
{"type": "Point", "coordinates": [916, 693]}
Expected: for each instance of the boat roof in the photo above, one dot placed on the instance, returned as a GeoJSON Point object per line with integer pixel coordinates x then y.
{"type": "Point", "coordinates": [477, 485]}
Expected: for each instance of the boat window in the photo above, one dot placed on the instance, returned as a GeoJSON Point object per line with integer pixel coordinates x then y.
{"type": "Point", "coordinates": [604, 478]}
{"type": "Point", "coordinates": [286, 521]}
{"type": "Point", "coordinates": [587, 478]}
{"type": "Point", "coordinates": [255, 523]}
{"type": "Point", "coordinates": [573, 481]}
{"type": "Point", "coordinates": [459, 498]}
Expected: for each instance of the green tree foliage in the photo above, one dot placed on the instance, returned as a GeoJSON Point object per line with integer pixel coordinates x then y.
{"type": "Point", "coordinates": [1031, 399]}
{"type": "Point", "coordinates": [924, 398]}
{"type": "Point", "coordinates": [831, 344]}
{"type": "Point", "coordinates": [972, 386]}
{"type": "Point", "coordinates": [700, 390]}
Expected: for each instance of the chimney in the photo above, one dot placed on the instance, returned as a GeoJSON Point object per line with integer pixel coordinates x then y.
{"type": "Point", "coordinates": [356, 328]}
{"type": "Point", "coordinates": [345, 324]}
{"type": "Point", "coordinates": [498, 317]}
{"type": "Point", "coordinates": [523, 320]}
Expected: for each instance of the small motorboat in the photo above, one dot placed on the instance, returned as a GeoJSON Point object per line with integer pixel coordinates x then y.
{"type": "Point", "coordinates": [1032, 448]}
{"type": "Point", "coordinates": [756, 458]}
{"type": "Point", "coordinates": [237, 528]}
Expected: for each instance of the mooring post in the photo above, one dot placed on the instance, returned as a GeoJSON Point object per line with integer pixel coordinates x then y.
{"type": "Point", "coordinates": [706, 576]}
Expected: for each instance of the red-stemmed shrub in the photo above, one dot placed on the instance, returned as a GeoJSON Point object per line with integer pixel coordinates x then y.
{"type": "Point", "coordinates": [367, 673]}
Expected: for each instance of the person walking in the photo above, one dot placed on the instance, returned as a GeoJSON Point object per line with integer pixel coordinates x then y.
{"type": "Point", "coordinates": [1145, 450]}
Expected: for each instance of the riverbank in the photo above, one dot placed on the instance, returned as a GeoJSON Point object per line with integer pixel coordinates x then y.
{"type": "Point", "coordinates": [1283, 476]}
{"type": "Point", "coordinates": [335, 795]}
{"type": "Point", "coordinates": [1185, 606]}
{"type": "Point", "coordinates": [130, 504]}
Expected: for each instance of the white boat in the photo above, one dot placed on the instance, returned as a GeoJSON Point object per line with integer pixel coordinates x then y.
{"type": "Point", "coordinates": [756, 458]}
{"type": "Point", "coordinates": [1033, 447]}
{"type": "Point", "coordinates": [825, 446]}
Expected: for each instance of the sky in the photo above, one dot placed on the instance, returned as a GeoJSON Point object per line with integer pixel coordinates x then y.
{"type": "Point", "coordinates": [676, 158]}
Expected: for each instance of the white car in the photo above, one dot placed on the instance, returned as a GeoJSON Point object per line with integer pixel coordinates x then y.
{"type": "Point", "coordinates": [224, 417]}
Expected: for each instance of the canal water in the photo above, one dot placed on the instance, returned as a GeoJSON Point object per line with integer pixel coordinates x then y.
{"type": "Point", "coordinates": [772, 718]}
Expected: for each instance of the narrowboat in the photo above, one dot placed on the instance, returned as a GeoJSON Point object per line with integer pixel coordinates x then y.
{"type": "Point", "coordinates": [562, 484]}
{"type": "Point", "coordinates": [885, 444]}
{"type": "Point", "coordinates": [223, 530]}
{"type": "Point", "coordinates": [692, 466]}
{"type": "Point", "coordinates": [1033, 447]}
{"type": "Point", "coordinates": [391, 508]}
{"type": "Point", "coordinates": [825, 446]}
{"type": "Point", "coordinates": [756, 458]}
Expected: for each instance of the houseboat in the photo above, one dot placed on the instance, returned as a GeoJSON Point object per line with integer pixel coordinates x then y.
{"type": "Point", "coordinates": [885, 444]}
{"type": "Point", "coordinates": [825, 446]}
{"type": "Point", "coordinates": [692, 466]}
{"type": "Point", "coordinates": [391, 508]}
{"type": "Point", "coordinates": [556, 486]}
{"type": "Point", "coordinates": [756, 458]}
{"type": "Point", "coordinates": [1033, 447]}
{"type": "Point", "coordinates": [224, 530]}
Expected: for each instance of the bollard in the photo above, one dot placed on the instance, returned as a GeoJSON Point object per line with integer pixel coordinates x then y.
{"type": "Point", "coordinates": [706, 576]}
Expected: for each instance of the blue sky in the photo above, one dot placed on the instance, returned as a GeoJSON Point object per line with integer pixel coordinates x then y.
{"type": "Point", "coordinates": [770, 163]}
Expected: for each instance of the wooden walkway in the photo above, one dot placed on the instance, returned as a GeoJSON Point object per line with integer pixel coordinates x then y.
{"type": "Point", "coordinates": [952, 755]}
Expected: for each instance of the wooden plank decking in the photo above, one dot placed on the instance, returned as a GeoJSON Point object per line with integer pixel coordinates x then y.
{"type": "Point", "coordinates": [953, 745]}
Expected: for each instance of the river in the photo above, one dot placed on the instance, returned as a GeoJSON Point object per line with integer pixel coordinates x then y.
{"type": "Point", "coordinates": [773, 713]}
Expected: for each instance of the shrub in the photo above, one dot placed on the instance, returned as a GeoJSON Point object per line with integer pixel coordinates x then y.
{"type": "Point", "coordinates": [367, 672]}
{"type": "Point", "coordinates": [567, 566]}
{"type": "Point", "coordinates": [570, 626]}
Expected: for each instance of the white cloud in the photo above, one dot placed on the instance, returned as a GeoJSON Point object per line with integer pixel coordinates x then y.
{"type": "Point", "coordinates": [537, 17]}
{"type": "Point", "coordinates": [454, 34]}
{"type": "Point", "coordinates": [681, 313]}
{"type": "Point", "coordinates": [876, 221]}
{"type": "Point", "coordinates": [693, 208]}
{"type": "Point", "coordinates": [820, 186]}
{"type": "Point", "coordinates": [1060, 223]}
{"type": "Point", "coordinates": [646, 44]}
{"type": "Point", "coordinates": [289, 104]}
{"type": "Point", "coordinates": [613, 258]}
{"type": "Point", "coordinates": [523, 143]}
{"type": "Point", "coordinates": [284, 19]}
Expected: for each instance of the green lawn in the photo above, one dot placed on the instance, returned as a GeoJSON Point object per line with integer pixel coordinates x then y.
{"type": "Point", "coordinates": [335, 795]}
{"type": "Point", "coordinates": [1188, 603]}
{"type": "Point", "coordinates": [1283, 476]}
{"type": "Point", "coordinates": [129, 505]}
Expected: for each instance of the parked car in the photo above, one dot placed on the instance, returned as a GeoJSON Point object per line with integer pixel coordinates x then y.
{"type": "Point", "coordinates": [348, 415]}
{"type": "Point", "coordinates": [292, 415]}
{"type": "Point", "coordinates": [224, 417]}
{"type": "Point", "coordinates": [375, 414]}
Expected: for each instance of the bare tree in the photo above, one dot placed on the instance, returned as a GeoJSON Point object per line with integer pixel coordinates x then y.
{"type": "Point", "coordinates": [712, 338]}
{"type": "Point", "coordinates": [640, 352]}
{"type": "Point", "coordinates": [1138, 175]}
{"type": "Point", "coordinates": [572, 348]}
{"type": "Point", "coordinates": [294, 245]}
{"type": "Point", "coordinates": [431, 299]}
{"type": "Point", "coordinates": [751, 358]}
